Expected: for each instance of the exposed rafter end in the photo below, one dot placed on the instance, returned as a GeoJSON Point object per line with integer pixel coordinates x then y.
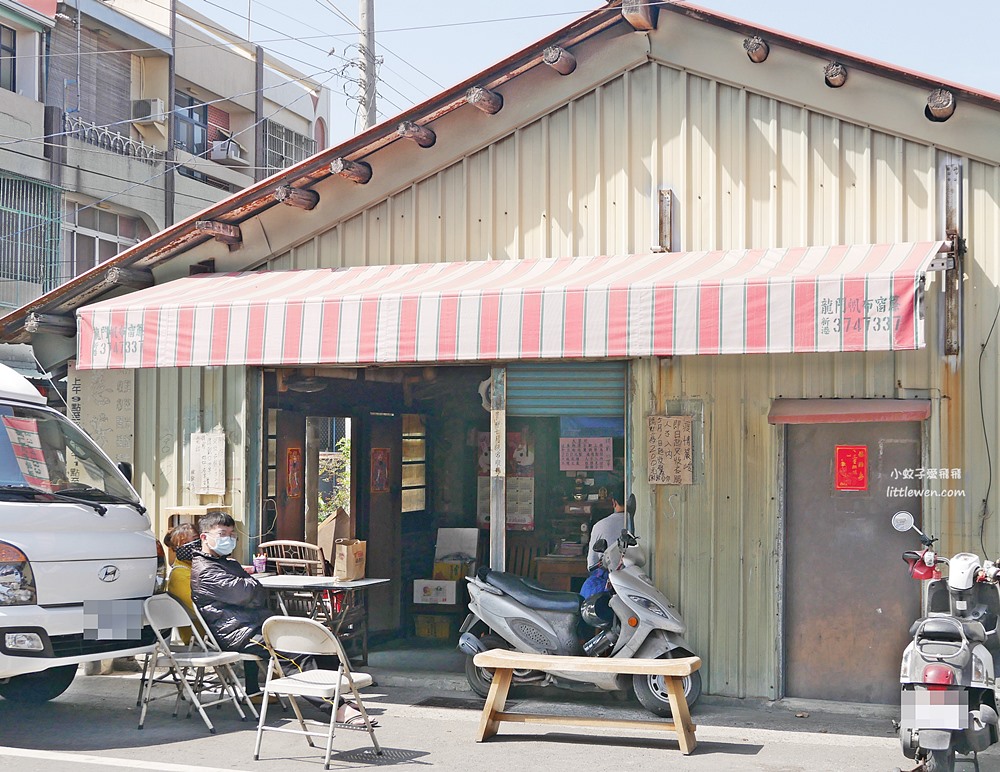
{"type": "Point", "coordinates": [137, 278]}
{"type": "Point", "coordinates": [53, 323]}
{"type": "Point", "coordinates": [300, 198]}
{"type": "Point", "coordinates": [559, 59]}
{"type": "Point", "coordinates": [641, 14]}
{"type": "Point", "coordinates": [420, 134]}
{"type": "Point", "coordinates": [355, 171]}
{"type": "Point", "coordinates": [490, 102]}
{"type": "Point", "coordinates": [223, 232]}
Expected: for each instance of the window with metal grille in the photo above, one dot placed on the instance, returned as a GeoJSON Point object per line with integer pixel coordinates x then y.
{"type": "Point", "coordinates": [29, 239]}
{"type": "Point", "coordinates": [285, 147]}
{"type": "Point", "coordinates": [92, 235]}
{"type": "Point", "coordinates": [8, 58]}
{"type": "Point", "coordinates": [414, 463]}
{"type": "Point", "coordinates": [190, 124]}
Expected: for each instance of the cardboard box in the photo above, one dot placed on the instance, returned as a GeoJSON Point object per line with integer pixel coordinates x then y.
{"type": "Point", "coordinates": [434, 626]}
{"type": "Point", "coordinates": [349, 559]}
{"type": "Point", "coordinates": [453, 570]}
{"type": "Point", "coordinates": [436, 591]}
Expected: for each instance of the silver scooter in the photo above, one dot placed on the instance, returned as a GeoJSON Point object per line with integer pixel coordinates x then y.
{"type": "Point", "coordinates": [630, 619]}
{"type": "Point", "coordinates": [948, 697]}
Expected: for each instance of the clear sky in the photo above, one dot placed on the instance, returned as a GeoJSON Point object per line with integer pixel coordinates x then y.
{"type": "Point", "coordinates": [433, 45]}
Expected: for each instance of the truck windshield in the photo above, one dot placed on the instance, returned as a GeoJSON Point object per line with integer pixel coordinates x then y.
{"type": "Point", "coordinates": [44, 450]}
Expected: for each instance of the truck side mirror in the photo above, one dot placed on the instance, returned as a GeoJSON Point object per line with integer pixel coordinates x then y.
{"type": "Point", "coordinates": [126, 469]}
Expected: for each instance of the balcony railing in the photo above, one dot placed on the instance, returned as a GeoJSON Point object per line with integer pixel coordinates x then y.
{"type": "Point", "coordinates": [105, 138]}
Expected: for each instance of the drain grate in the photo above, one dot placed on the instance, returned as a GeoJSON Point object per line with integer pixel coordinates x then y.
{"type": "Point", "coordinates": [367, 756]}
{"type": "Point", "coordinates": [460, 703]}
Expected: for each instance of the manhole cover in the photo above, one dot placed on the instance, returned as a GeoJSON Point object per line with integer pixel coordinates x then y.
{"type": "Point", "coordinates": [461, 703]}
{"type": "Point", "coordinates": [368, 756]}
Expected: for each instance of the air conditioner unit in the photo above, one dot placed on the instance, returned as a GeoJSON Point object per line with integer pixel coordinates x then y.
{"type": "Point", "coordinates": [146, 111]}
{"type": "Point", "coordinates": [228, 151]}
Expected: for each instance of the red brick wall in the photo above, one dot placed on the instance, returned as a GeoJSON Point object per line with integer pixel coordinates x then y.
{"type": "Point", "coordinates": [217, 119]}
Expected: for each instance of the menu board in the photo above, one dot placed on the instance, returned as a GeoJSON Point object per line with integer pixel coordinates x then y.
{"type": "Point", "coordinates": [520, 493]}
{"type": "Point", "coordinates": [670, 459]}
{"type": "Point", "coordinates": [101, 402]}
{"type": "Point", "coordinates": [590, 454]}
{"type": "Point", "coordinates": [208, 463]}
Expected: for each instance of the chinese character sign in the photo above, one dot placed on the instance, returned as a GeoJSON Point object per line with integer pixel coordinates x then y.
{"type": "Point", "coordinates": [851, 468]}
{"type": "Point", "coordinates": [27, 447]}
{"type": "Point", "coordinates": [208, 463]}
{"type": "Point", "coordinates": [102, 403]}
{"type": "Point", "coordinates": [592, 454]}
{"type": "Point", "coordinates": [670, 458]}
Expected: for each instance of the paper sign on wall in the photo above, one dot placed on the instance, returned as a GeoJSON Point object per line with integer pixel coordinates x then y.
{"type": "Point", "coordinates": [591, 454]}
{"type": "Point", "coordinates": [208, 463]}
{"type": "Point", "coordinates": [670, 459]}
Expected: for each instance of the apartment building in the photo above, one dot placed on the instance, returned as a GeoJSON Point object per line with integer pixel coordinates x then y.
{"type": "Point", "coordinates": [120, 118]}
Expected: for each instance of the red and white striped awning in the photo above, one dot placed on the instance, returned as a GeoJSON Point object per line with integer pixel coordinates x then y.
{"type": "Point", "coordinates": [845, 298]}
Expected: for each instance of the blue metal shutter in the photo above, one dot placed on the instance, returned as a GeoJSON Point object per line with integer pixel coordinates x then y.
{"type": "Point", "coordinates": [566, 388]}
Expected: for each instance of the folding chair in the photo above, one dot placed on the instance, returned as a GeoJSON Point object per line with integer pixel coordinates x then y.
{"type": "Point", "coordinates": [296, 635]}
{"type": "Point", "coordinates": [187, 668]}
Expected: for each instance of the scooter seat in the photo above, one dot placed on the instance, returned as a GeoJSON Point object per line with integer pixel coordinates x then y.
{"type": "Point", "coordinates": [531, 595]}
{"type": "Point", "coordinates": [945, 629]}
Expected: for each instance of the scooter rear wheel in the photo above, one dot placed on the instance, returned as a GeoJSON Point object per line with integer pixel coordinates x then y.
{"type": "Point", "coordinates": [940, 761]}
{"type": "Point", "coordinates": [651, 691]}
{"type": "Point", "coordinates": [480, 678]}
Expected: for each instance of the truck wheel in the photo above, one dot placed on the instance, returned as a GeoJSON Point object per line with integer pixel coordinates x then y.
{"type": "Point", "coordinates": [940, 761]}
{"type": "Point", "coordinates": [651, 691]}
{"type": "Point", "coordinates": [39, 687]}
{"type": "Point", "coordinates": [480, 678]}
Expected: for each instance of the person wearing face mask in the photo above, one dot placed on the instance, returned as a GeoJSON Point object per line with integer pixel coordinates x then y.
{"type": "Point", "coordinates": [181, 541]}
{"type": "Point", "coordinates": [232, 603]}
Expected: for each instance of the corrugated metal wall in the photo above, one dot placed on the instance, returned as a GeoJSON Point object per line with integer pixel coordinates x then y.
{"type": "Point", "coordinates": [174, 402]}
{"type": "Point", "coordinates": [747, 171]}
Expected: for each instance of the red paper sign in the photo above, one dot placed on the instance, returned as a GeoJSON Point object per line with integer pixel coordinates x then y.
{"type": "Point", "coordinates": [851, 468]}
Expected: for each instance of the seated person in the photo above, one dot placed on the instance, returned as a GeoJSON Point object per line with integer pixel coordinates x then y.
{"type": "Point", "coordinates": [234, 605]}
{"type": "Point", "coordinates": [609, 529]}
{"type": "Point", "coordinates": [181, 541]}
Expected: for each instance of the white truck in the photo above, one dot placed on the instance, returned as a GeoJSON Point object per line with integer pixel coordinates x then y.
{"type": "Point", "coordinates": [77, 554]}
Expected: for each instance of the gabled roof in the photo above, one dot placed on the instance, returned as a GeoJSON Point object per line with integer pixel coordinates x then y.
{"type": "Point", "coordinates": [252, 201]}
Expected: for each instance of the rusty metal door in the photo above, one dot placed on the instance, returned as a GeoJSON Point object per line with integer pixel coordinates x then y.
{"type": "Point", "coordinates": [848, 598]}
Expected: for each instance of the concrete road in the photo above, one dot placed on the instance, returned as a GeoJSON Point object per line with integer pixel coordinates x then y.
{"type": "Point", "coordinates": [93, 727]}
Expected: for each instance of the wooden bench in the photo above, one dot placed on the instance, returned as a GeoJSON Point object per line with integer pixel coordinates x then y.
{"type": "Point", "coordinates": [503, 663]}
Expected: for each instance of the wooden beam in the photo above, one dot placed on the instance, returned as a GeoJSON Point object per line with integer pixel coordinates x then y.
{"type": "Point", "coordinates": [420, 134]}
{"type": "Point", "coordinates": [490, 102]}
{"type": "Point", "coordinates": [641, 14]}
{"type": "Point", "coordinates": [223, 232]}
{"type": "Point", "coordinates": [355, 171]}
{"type": "Point", "coordinates": [54, 323]}
{"type": "Point", "coordinates": [137, 278]}
{"type": "Point", "coordinates": [300, 198]}
{"type": "Point", "coordinates": [559, 59]}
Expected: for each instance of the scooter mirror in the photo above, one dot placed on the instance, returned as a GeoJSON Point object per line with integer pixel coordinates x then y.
{"type": "Point", "coordinates": [902, 521]}
{"type": "Point", "coordinates": [601, 545]}
{"type": "Point", "coordinates": [630, 514]}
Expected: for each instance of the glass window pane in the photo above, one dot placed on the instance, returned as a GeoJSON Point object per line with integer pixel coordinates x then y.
{"type": "Point", "coordinates": [143, 231]}
{"type": "Point", "coordinates": [69, 212]}
{"type": "Point", "coordinates": [126, 227]}
{"type": "Point", "coordinates": [87, 218]}
{"type": "Point", "coordinates": [107, 222]}
{"type": "Point", "coordinates": [85, 253]}
{"type": "Point", "coordinates": [108, 249]}
{"type": "Point", "coordinates": [413, 500]}
{"type": "Point", "coordinates": [413, 424]}
{"type": "Point", "coordinates": [413, 450]}
{"type": "Point", "coordinates": [413, 474]}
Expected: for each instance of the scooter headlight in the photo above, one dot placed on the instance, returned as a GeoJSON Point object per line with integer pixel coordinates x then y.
{"type": "Point", "coordinates": [649, 605]}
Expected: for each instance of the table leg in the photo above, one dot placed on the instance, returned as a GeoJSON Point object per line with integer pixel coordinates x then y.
{"type": "Point", "coordinates": [681, 714]}
{"type": "Point", "coordinates": [496, 701]}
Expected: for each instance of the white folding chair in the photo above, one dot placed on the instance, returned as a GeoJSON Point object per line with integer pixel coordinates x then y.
{"type": "Point", "coordinates": [298, 635]}
{"type": "Point", "coordinates": [186, 669]}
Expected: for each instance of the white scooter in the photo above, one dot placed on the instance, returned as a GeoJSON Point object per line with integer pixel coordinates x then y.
{"type": "Point", "coordinates": [630, 619]}
{"type": "Point", "coordinates": [948, 694]}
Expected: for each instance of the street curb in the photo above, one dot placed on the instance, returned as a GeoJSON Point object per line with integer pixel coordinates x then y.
{"type": "Point", "coordinates": [419, 679]}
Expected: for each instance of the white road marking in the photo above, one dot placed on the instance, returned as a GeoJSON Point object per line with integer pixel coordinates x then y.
{"type": "Point", "coordinates": [81, 758]}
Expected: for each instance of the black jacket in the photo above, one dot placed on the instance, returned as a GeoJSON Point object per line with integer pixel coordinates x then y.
{"type": "Point", "coordinates": [233, 604]}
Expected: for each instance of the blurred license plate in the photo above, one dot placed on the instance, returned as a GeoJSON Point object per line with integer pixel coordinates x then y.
{"type": "Point", "coordinates": [936, 709]}
{"type": "Point", "coordinates": [112, 620]}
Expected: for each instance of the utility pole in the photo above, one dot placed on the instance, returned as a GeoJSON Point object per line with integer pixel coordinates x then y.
{"type": "Point", "coordinates": [367, 27]}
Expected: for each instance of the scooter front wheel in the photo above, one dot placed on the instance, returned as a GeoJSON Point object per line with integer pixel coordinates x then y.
{"type": "Point", "coordinates": [480, 678]}
{"type": "Point", "coordinates": [651, 691]}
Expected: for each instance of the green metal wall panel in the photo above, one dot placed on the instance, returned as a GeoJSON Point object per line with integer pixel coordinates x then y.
{"type": "Point", "coordinates": [566, 388]}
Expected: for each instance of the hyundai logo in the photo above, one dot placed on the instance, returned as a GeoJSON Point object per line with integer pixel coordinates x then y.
{"type": "Point", "coordinates": [108, 573]}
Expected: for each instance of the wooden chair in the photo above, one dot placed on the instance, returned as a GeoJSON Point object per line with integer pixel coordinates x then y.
{"type": "Point", "coordinates": [295, 557]}
{"type": "Point", "coordinates": [522, 549]}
